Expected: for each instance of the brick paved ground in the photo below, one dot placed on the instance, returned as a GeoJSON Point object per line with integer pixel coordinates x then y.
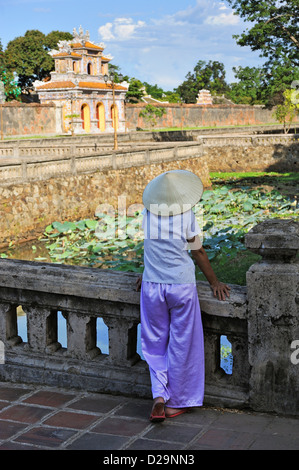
{"type": "Point", "coordinates": [43, 418]}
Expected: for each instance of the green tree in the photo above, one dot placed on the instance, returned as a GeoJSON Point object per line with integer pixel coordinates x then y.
{"type": "Point", "coordinates": [115, 69]}
{"type": "Point", "coordinates": [28, 56]}
{"type": "Point", "coordinates": [151, 113]}
{"type": "Point", "coordinates": [275, 29]}
{"type": "Point", "coordinates": [1, 55]}
{"type": "Point", "coordinates": [172, 97]}
{"type": "Point", "coordinates": [158, 93]}
{"type": "Point", "coordinates": [53, 38]}
{"type": "Point", "coordinates": [12, 91]}
{"type": "Point", "coordinates": [154, 91]}
{"type": "Point", "coordinates": [250, 86]}
{"type": "Point", "coordinates": [279, 78]}
{"type": "Point", "coordinates": [188, 90]}
{"type": "Point", "coordinates": [209, 76]}
{"type": "Point", "coordinates": [286, 112]}
{"type": "Point", "coordinates": [135, 91]}
{"type": "Point", "coordinates": [263, 85]}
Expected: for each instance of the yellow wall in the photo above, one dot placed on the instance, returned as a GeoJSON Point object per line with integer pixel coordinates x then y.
{"type": "Point", "coordinates": [86, 117]}
{"type": "Point", "coordinates": [101, 117]}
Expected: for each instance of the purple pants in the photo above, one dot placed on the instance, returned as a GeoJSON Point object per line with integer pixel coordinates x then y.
{"type": "Point", "coordinates": [172, 342]}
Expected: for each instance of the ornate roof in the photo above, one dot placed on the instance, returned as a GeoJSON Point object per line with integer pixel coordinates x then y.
{"type": "Point", "coordinates": [86, 45]}
{"type": "Point", "coordinates": [69, 84]}
{"type": "Point", "coordinates": [67, 54]}
{"type": "Point", "coordinates": [58, 85]}
{"type": "Point", "coordinates": [80, 40]}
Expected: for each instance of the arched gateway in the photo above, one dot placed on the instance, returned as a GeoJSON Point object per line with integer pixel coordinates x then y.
{"type": "Point", "coordinates": [79, 87]}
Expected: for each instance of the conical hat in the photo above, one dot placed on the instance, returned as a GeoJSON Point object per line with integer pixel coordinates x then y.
{"type": "Point", "coordinates": [172, 193]}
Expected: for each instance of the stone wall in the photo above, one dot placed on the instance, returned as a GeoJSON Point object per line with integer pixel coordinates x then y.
{"type": "Point", "coordinates": [30, 119]}
{"type": "Point", "coordinates": [42, 119]}
{"type": "Point", "coordinates": [199, 116]}
{"type": "Point", "coordinates": [37, 190]}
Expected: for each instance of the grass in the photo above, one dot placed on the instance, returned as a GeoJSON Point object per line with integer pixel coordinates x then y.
{"type": "Point", "coordinates": [232, 271]}
{"type": "Point", "coordinates": [232, 126]}
{"type": "Point", "coordinates": [232, 177]}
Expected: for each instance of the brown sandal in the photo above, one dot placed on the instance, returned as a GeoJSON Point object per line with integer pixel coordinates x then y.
{"type": "Point", "coordinates": [158, 413]}
{"type": "Point", "coordinates": [180, 412]}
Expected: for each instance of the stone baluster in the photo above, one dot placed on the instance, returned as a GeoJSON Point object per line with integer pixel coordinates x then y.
{"type": "Point", "coordinates": [122, 340]}
{"type": "Point", "coordinates": [42, 329]}
{"type": "Point", "coordinates": [81, 336]}
{"type": "Point", "coordinates": [212, 354]}
{"type": "Point", "coordinates": [273, 316]}
{"type": "Point", "coordinates": [8, 325]}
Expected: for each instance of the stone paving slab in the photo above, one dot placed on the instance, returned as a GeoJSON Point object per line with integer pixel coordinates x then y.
{"type": "Point", "coordinates": [41, 418]}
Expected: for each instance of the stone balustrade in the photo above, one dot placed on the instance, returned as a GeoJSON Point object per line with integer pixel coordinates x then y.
{"type": "Point", "coordinates": [260, 320]}
{"type": "Point", "coordinates": [73, 160]}
{"type": "Point", "coordinates": [63, 147]}
{"type": "Point", "coordinates": [22, 163]}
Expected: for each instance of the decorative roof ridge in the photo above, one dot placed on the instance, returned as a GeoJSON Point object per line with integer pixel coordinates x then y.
{"type": "Point", "coordinates": [67, 54]}
{"type": "Point", "coordinates": [80, 40]}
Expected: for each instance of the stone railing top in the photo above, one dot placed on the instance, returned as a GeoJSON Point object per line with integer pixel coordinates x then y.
{"type": "Point", "coordinates": [102, 284]}
{"type": "Point", "coordinates": [274, 239]}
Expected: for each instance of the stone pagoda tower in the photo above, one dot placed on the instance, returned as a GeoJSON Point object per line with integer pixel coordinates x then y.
{"type": "Point", "coordinates": [204, 98]}
{"type": "Point", "coordinates": [78, 87]}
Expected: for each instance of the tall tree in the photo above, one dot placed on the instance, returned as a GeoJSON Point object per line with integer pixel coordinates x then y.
{"type": "Point", "coordinates": [135, 91]}
{"type": "Point", "coordinates": [275, 29]}
{"type": "Point", "coordinates": [12, 91]}
{"type": "Point", "coordinates": [209, 75]}
{"type": "Point", "coordinates": [28, 55]}
{"type": "Point", "coordinates": [53, 38]}
{"type": "Point", "coordinates": [1, 55]}
{"type": "Point", "coordinates": [249, 89]}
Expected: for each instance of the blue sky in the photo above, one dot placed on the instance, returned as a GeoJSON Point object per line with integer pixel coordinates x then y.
{"type": "Point", "coordinates": [158, 41]}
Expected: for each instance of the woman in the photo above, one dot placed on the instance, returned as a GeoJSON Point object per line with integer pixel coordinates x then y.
{"type": "Point", "coordinates": [171, 326]}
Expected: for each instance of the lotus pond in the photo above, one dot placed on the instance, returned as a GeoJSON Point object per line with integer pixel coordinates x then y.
{"type": "Point", "coordinates": [235, 204]}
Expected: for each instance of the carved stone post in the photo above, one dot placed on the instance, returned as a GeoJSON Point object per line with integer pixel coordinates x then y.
{"type": "Point", "coordinates": [42, 329]}
{"type": "Point", "coordinates": [8, 325]}
{"type": "Point", "coordinates": [122, 341]}
{"type": "Point", "coordinates": [81, 336]}
{"type": "Point", "coordinates": [273, 316]}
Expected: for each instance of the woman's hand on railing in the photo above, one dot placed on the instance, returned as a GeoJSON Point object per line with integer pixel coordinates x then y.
{"type": "Point", "coordinates": [220, 290]}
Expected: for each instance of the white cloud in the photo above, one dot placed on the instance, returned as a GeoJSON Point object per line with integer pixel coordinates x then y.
{"type": "Point", "coordinates": [224, 19]}
{"type": "Point", "coordinates": [121, 29]}
{"type": "Point", "coordinates": [223, 6]}
{"type": "Point", "coordinates": [106, 32]}
{"type": "Point", "coordinates": [164, 49]}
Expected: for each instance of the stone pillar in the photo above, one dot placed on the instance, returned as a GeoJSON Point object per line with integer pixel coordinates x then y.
{"type": "Point", "coordinates": [273, 316]}
{"type": "Point", "coordinates": [59, 118]}
{"type": "Point", "coordinates": [122, 341]}
{"type": "Point", "coordinates": [42, 329]}
{"type": "Point", "coordinates": [81, 336]}
{"type": "Point", "coordinates": [8, 325]}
